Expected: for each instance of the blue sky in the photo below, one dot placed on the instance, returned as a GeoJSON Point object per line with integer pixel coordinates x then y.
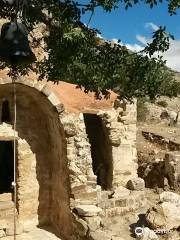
{"type": "Point", "coordinates": [127, 24]}
{"type": "Point", "coordinates": [135, 26]}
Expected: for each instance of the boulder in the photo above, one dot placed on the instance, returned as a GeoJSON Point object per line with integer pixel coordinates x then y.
{"type": "Point", "coordinates": [152, 172]}
{"type": "Point", "coordinates": [136, 184]}
{"type": "Point", "coordinates": [164, 216]}
{"type": "Point", "coordinates": [169, 116]}
{"type": "Point", "coordinates": [170, 197]}
{"type": "Point", "coordinates": [172, 168]}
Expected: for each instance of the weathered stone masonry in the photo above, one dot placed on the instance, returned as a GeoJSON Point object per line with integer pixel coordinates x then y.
{"type": "Point", "coordinates": [55, 175]}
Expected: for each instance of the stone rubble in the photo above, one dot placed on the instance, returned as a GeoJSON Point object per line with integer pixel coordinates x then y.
{"type": "Point", "coordinates": [166, 214]}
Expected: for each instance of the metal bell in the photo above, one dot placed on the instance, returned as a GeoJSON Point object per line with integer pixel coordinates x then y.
{"type": "Point", "coordinates": [14, 44]}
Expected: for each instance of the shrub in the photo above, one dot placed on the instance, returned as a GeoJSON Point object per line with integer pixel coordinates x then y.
{"type": "Point", "coordinates": [142, 110]}
{"type": "Point", "coordinates": [162, 103]}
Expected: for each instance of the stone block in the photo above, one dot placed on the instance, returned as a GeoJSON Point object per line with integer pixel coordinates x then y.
{"type": "Point", "coordinates": [92, 184]}
{"type": "Point", "coordinates": [78, 188]}
{"type": "Point", "coordinates": [5, 197]}
{"type": "Point", "coordinates": [107, 203]}
{"type": "Point", "coordinates": [78, 202]}
{"type": "Point", "coordinates": [88, 210]}
{"type": "Point", "coordinates": [136, 184]}
{"type": "Point", "coordinates": [85, 195]}
{"type": "Point", "coordinates": [46, 90]}
{"type": "Point", "coordinates": [123, 202]}
{"type": "Point", "coordinates": [6, 205]}
{"type": "Point", "coordinates": [60, 108]}
{"type": "Point", "coordinates": [10, 229]}
{"type": "Point", "coordinates": [118, 211]}
{"type": "Point", "coordinates": [121, 192]}
{"type": "Point", "coordinates": [53, 99]}
{"type": "Point", "coordinates": [70, 129]}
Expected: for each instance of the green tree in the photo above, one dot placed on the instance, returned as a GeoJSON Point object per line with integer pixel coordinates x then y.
{"type": "Point", "coordinates": [77, 55]}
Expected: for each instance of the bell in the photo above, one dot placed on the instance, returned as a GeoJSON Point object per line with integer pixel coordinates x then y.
{"type": "Point", "coordinates": [14, 44]}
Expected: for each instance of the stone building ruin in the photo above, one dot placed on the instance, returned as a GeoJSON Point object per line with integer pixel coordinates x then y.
{"type": "Point", "coordinates": [72, 151]}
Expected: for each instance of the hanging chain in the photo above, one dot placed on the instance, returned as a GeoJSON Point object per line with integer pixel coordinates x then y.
{"type": "Point", "coordinates": [14, 182]}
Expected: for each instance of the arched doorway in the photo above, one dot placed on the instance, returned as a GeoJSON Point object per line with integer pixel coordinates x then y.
{"type": "Point", "coordinates": [42, 175]}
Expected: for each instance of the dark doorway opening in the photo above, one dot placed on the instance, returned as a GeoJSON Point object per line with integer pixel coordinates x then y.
{"type": "Point", "coordinates": [6, 166]}
{"type": "Point", "coordinates": [101, 150]}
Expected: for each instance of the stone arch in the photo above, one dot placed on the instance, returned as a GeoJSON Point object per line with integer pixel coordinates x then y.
{"type": "Point", "coordinates": [43, 177]}
{"type": "Point", "coordinates": [40, 86]}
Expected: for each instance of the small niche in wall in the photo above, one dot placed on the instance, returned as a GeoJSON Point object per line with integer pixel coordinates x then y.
{"type": "Point", "coordinates": [5, 112]}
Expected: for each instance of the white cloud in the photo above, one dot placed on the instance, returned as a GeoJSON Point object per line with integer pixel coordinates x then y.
{"type": "Point", "coordinates": [138, 47]}
{"type": "Point", "coordinates": [134, 47]}
{"type": "Point", "coordinates": [99, 36]}
{"type": "Point", "coordinates": [152, 26]}
{"type": "Point", "coordinates": [142, 39]}
{"type": "Point", "coordinates": [114, 40]}
{"type": "Point", "coordinates": [172, 56]}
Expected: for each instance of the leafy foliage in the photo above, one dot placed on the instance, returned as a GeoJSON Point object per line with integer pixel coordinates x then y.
{"type": "Point", "coordinates": [142, 109]}
{"type": "Point", "coordinates": [77, 55]}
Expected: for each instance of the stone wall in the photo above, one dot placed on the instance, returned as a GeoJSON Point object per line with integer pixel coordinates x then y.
{"type": "Point", "coordinates": [121, 125]}
{"type": "Point", "coordinates": [121, 129]}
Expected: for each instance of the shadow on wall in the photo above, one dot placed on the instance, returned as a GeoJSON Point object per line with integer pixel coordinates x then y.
{"type": "Point", "coordinates": [101, 150]}
{"type": "Point", "coordinates": [38, 123]}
